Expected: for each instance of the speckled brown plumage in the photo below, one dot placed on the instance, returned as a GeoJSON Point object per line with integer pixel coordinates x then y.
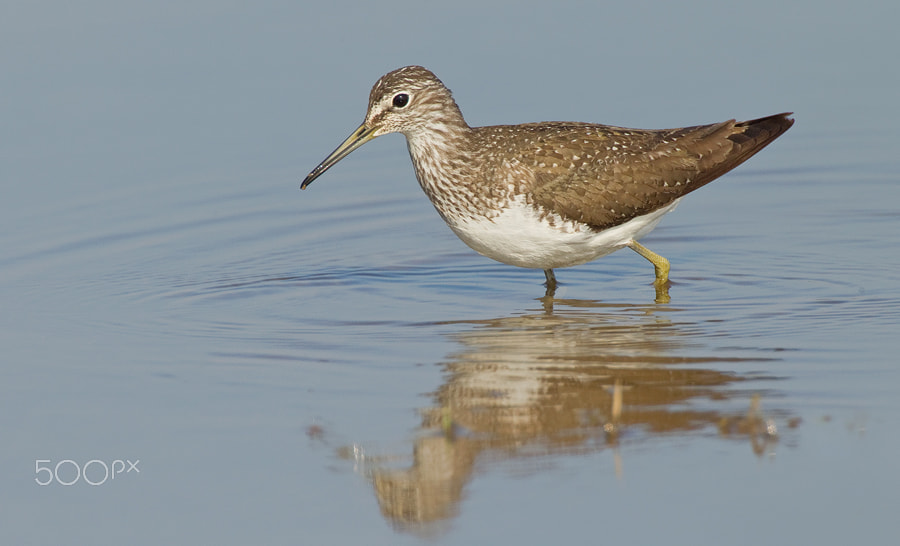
{"type": "Point", "coordinates": [633, 172]}
{"type": "Point", "coordinates": [576, 191]}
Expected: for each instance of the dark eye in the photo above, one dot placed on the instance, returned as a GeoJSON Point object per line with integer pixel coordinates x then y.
{"type": "Point", "coordinates": [401, 100]}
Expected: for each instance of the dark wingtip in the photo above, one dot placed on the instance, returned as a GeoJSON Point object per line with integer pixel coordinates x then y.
{"type": "Point", "coordinates": [781, 119]}
{"type": "Point", "coordinates": [758, 133]}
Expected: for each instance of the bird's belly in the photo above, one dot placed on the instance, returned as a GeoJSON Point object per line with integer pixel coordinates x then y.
{"type": "Point", "coordinates": [520, 236]}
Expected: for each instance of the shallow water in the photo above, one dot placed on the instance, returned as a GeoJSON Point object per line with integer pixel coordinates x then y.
{"type": "Point", "coordinates": [334, 366]}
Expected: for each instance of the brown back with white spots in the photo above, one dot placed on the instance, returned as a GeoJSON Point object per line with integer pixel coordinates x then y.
{"type": "Point", "coordinates": [603, 175]}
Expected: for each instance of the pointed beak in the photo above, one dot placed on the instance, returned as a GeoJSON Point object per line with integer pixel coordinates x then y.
{"type": "Point", "coordinates": [359, 137]}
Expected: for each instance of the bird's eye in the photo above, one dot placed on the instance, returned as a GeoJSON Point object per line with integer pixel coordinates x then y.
{"type": "Point", "coordinates": [401, 100]}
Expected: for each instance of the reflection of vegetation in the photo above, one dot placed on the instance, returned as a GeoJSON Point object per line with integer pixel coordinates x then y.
{"type": "Point", "coordinates": [561, 383]}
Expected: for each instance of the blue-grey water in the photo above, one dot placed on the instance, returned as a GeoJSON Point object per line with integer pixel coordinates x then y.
{"type": "Point", "coordinates": [333, 366]}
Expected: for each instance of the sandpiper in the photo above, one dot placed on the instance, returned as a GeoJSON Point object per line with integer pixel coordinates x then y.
{"type": "Point", "coordinates": [551, 194]}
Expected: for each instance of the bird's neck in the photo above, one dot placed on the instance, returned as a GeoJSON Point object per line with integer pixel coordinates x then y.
{"type": "Point", "coordinates": [443, 164]}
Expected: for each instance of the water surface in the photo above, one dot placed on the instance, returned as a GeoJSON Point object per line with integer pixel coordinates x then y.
{"type": "Point", "coordinates": [334, 366]}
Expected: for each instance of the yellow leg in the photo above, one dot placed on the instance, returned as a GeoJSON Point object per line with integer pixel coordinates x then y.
{"type": "Point", "coordinates": [660, 264]}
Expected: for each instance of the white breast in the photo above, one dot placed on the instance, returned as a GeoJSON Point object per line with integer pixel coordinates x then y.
{"type": "Point", "coordinates": [519, 236]}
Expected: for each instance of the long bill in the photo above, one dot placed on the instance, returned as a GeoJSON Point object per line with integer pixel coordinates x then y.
{"type": "Point", "coordinates": [359, 137]}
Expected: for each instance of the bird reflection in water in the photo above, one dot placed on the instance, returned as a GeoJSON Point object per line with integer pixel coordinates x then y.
{"type": "Point", "coordinates": [525, 389]}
